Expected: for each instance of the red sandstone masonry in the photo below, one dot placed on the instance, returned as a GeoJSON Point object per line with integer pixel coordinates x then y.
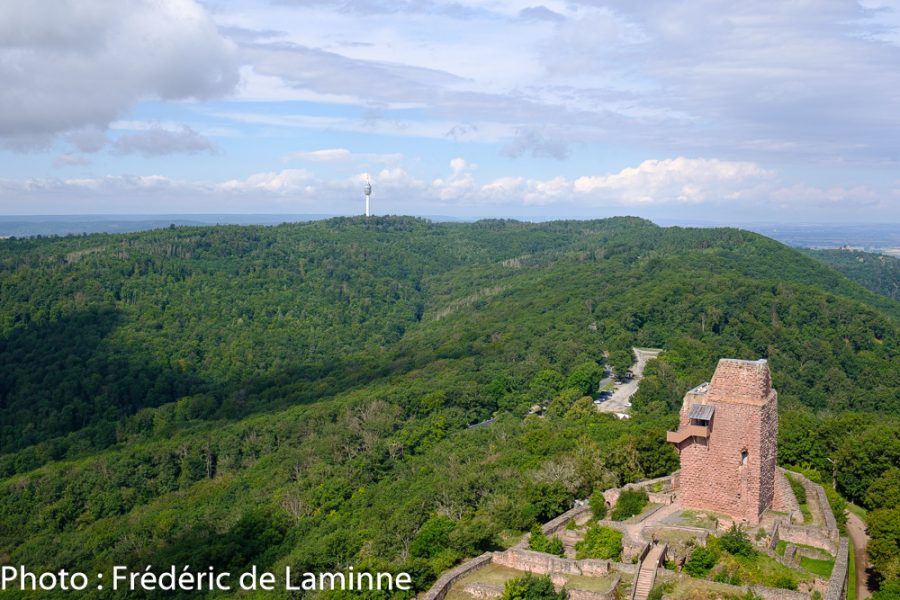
{"type": "Point", "coordinates": [746, 419]}
{"type": "Point", "coordinates": [546, 564]}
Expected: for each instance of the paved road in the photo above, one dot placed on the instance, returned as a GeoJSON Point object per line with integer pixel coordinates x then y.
{"type": "Point", "coordinates": [619, 401]}
{"type": "Point", "coordinates": [857, 531]}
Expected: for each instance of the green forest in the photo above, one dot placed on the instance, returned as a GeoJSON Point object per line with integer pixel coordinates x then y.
{"type": "Point", "coordinates": [305, 394]}
{"type": "Point", "coordinates": [877, 272]}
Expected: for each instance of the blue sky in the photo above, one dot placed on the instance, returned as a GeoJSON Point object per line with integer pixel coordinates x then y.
{"type": "Point", "coordinates": [700, 110]}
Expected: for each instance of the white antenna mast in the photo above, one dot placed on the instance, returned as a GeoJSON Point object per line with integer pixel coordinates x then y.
{"type": "Point", "coordinates": [368, 192]}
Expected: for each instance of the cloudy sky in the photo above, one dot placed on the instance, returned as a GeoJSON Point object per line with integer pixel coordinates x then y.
{"type": "Point", "coordinates": [699, 110]}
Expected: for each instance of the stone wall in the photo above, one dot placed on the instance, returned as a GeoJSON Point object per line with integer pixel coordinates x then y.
{"type": "Point", "coordinates": [837, 585]}
{"type": "Point", "coordinates": [665, 497]}
{"type": "Point", "coordinates": [442, 585]}
{"type": "Point", "coordinates": [784, 496]}
{"type": "Point", "coordinates": [554, 525]}
{"type": "Point", "coordinates": [546, 564]}
{"type": "Point", "coordinates": [818, 492]}
{"type": "Point", "coordinates": [487, 591]}
{"type": "Point", "coordinates": [810, 536]}
{"type": "Point", "coordinates": [661, 497]}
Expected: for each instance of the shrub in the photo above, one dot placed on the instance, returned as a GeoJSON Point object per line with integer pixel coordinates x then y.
{"type": "Point", "coordinates": [433, 537]}
{"type": "Point", "coordinates": [598, 505]}
{"type": "Point", "coordinates": [701, 561]}
{"type": "Point", "coordinates": [600, 542]}
{"type": "Point", "coordinates": [630, 503]}
{"type": "Point", "coordinates": [736, 542]}
{"type": "Point", "coordinates": [786, 582]}
{"type": "Point", "coordinates": [531, 587]}
{"type": "Point", "coordinates": [541, 543]}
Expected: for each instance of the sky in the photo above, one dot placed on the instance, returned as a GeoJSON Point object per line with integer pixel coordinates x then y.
{"type": "Point", "coordinates": [706, 111]}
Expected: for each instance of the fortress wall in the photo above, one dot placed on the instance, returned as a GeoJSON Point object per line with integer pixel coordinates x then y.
{"type": "Point", "coordinates": [808, 535]}
{"type": "Point", "coordinates": [612, 495]}
{"type": "Point", "coordinates": [546, 564]}
{"type": "Point", "coordinates": [784, 496]}
{"type": "Point", "coordinates": [442, 585]}
{"type": "Point", "coordinates": [554, 525]}
{"type": "Point", "coordinates": [818, 492]}
{"type": "Point", "coordinates": [837, 585]}
{"type": "Point", "coordinates": [661, 497]}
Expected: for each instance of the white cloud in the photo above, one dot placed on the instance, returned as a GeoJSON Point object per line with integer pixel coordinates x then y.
{"type": "Point", "coordinates": [84, 63]}
{"type": "Point", "coordinates": [342, 155]}
{"type": "Point", "coordinates": [328, 154]}
{"type": "Point", "coordinates": [287, 180]}
{"type": "Point", "coordinates": [678, 180]}
{"type": "Point", "coordinates": [534, 192]}
{"type": "Point", "coordinates": [158, 141]}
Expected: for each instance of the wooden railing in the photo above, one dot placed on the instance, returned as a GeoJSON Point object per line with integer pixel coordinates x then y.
{"type": "Point", "coordinates": [676, 437]}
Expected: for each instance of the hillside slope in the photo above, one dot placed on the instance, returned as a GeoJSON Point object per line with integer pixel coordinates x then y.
{"type": "Point", "coordinates": [301, 394]}
{"type": "Point", "coordinates": [876, 272]}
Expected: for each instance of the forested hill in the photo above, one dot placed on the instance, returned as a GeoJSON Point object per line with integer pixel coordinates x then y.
{"type": "Point", "coordinates": [301, 394]}
{"type": "Point", "coordinates": [877, 272]}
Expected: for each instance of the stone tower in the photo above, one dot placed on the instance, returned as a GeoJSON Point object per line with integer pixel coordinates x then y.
{"type": "Point", "coordinates": [727, 438]}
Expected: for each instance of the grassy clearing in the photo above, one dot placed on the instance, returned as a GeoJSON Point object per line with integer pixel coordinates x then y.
{"type": "Point", "coordinates": [779, 547]}
{"type": "Point", "coordinates": [851, 576]}
{"type": "Point", "coordinates": [675, 536]}
{"type": "Point", "coordinates": [820, 567]}
{"type": "Point", "coordinates": [695, 518]}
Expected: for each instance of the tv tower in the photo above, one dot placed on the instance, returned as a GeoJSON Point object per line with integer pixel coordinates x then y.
{"type": "Point", "coordinates": [367, 190]}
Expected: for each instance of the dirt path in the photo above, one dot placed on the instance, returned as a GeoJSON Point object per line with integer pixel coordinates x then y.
{"type": "Point", "coordinates": [857, 531]}
{"type": "Point", "coordinates": [619, 401]}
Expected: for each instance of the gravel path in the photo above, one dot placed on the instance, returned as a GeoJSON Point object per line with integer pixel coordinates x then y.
{"type": "Point", "coordinates": [619, 402]}
{"type": "Point", "coordinates": [857, 530]}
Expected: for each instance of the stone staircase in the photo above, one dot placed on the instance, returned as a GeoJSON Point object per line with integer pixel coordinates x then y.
{"type": "Point", "coordinates": [643, 583]}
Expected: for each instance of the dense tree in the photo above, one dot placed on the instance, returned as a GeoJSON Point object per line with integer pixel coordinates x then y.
{"type": "Point", "coordinates": [355, 392]}
{"type": "Point", "coordinates": [884, 543]}
{"type": "Point", "coordinates": [878, 272]}
{"type": "Point", "coordinates": [884, 492]}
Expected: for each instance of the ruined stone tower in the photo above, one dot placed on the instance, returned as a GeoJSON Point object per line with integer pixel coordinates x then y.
{"type": "Point", "coordinates": [727, 439]}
